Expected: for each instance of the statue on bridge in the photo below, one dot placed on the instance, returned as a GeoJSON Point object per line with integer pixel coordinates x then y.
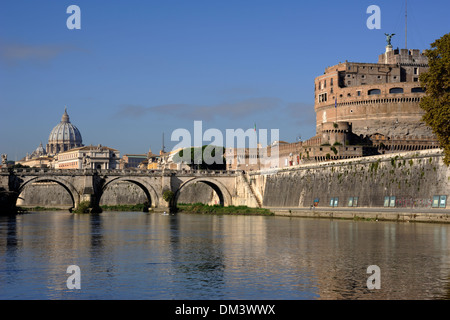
{"type": "Point", "coordinates": [4, 159]}
{"type": "Point", "coordinates": [86, 162]}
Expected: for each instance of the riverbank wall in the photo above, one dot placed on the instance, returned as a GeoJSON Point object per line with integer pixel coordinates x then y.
{"type": "Point", "coordinates": [416, 179]}
{"type": "Point", "coordinates": [401, 215]}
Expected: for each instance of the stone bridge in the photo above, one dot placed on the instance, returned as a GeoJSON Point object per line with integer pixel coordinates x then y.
{"type": "Point", "coordinates": [231, 187]}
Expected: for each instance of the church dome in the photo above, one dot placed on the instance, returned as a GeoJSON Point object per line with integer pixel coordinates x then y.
{"type": "Point", "coordinates": [64, 136]}
{"type": "Point", "coordinates": [39, 152]}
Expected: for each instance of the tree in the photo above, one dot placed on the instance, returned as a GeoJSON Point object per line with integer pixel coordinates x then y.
{"type": "Point", "coordinates": [202, 158]}
{"type": "Point", "coordinates": [436, 102]}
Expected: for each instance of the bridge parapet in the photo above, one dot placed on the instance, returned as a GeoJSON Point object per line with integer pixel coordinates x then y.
{"type": "Point", "coordinates": [207, 173]}
{"type": "Point", "coordinates": [118, 172]}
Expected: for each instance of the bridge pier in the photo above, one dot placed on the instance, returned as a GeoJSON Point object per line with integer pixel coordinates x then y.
{"type": "Point", "coordinates": [8, 197]}
{"type": "Point", "coordinates": [89, 192]}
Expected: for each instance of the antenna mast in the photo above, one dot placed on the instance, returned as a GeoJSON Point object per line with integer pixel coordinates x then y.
{"type": "Point", "coordinates": [406, 24]}
{"type": "Point", "coordinates": [163, 147]}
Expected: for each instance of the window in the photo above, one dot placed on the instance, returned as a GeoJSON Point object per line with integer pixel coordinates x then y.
{"type": "Point", "coordinates": [396, 90]}
{"type": "Point", "coordinates": [353, 202]}
{"type": "Point", "coordinates": [358, 93]}
{"type": "Point", "coordinates": [323, 97]}
{"type": "Point", "coordinates": [416, 71]}
{"type": "Point", "coordinates": [416, 79]}
{"type": "Point", "coordinates": [379, 77]}
{"type": "Point", "coordinates": [331, 81]}
{"type": "Point", "coordinates": [334, 202]}
{"type": "Point", "coordinates": [374, 92]}
{"type": "Point", "coordinates": [439, 202]}
{"type": "Point", "coordinates": [414, 90]}
{"type": "Point", "coordinates": [389, 201]}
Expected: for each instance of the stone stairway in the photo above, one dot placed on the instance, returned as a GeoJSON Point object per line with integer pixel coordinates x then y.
{"type": "Point", "coordinates": [252, 191]}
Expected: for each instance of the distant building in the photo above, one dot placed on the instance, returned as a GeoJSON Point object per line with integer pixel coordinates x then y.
{"type": "Point", "coordinates": [89, 157]}
{"type": "Point", "coordinates": [242, 159]}
{"type": "Point", "coordinates": [132, 160]}
{"type": "Point", "coordinates": [37, 159]}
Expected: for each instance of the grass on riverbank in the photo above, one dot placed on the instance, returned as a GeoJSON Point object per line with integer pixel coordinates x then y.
{"type": "Point", "coordinates": [216, 209]}
{"type": "Point", "coordinates": [38, 208]}
{"type": "Point", "coordinates": [126, 207]}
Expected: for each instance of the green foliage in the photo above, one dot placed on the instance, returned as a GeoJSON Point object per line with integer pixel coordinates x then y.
{"type": "Point", "coordinates": [168, 195]}
{"type": "Point", "coordinates": [202, 158]}
{"type": "Point", "coordinates": [19, 166]}
{"type": "Point", "coordinates": [334, 150]}
{"type": "Point", "coordinates": [217, 209]}
{"type": "Point", "coordinates": [374, 166]}
{"type": "Point", "coordinates": [126, 207]}
{"type": "Point", "coordinates": [83, 207]}
{"type": "Point", "coordinates": [436, 82]}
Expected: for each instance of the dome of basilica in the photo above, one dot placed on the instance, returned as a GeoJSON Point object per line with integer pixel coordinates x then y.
{"type": "Point", "coordinates": [64, 136]}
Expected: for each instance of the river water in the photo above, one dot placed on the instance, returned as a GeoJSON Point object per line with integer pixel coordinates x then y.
{"type": "Point", "coordinates": [164, 257]}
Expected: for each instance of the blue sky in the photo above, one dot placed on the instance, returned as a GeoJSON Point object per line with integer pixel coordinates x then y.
{"type": "Point", "coordinates": [139, 68]}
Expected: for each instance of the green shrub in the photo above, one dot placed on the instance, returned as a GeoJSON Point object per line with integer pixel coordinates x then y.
{"type": "Point", "coordinates": [168, 195]}
{"type": "Point", "coordinates": [83, 207]}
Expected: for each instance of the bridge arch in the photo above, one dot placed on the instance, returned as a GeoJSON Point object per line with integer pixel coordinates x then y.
{"type": "Point", "coordinates": [73, 193]}
{"type": "Point", "coordinates": [150, 193]}
{"type": "Point", "coordinates": [221, 191]}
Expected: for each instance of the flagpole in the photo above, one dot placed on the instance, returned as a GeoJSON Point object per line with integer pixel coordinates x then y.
{"type": "Point", "coordinates": [335, 132]}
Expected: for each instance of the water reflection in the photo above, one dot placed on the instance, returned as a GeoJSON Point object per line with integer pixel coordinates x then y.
{"type": "Point", "coordinates": [151, 256]}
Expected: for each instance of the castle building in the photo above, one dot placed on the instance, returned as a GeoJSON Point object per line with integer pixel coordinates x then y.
{"type": "Point", "coordinates": [365, 109]}
{"type": "Point", "coordinates": [379, 100]}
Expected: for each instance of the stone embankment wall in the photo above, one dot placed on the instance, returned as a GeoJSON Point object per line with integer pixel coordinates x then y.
{"type": "Point", "coordinates": [413, 178]}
